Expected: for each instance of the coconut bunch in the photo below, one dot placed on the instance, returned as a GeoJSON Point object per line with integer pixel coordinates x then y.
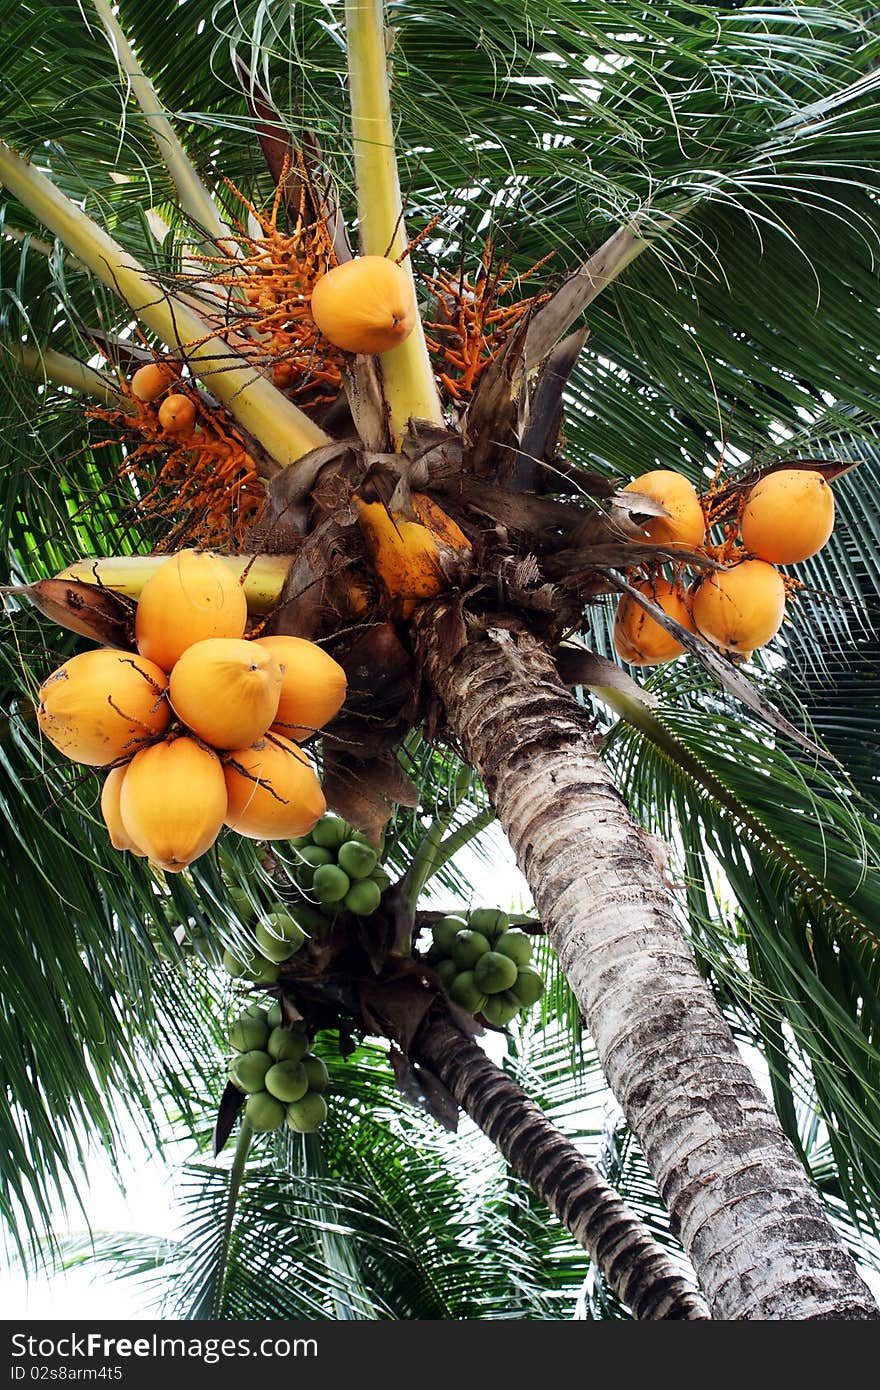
{"type": "Point", "coordinates": [201, 726]}
{"type": "Point", "coordinates": [485, 964]}
{"type": "Point", "coordinates": [273, 1067]}
{"type": "Point", "coordinates": [338, 870]}
{"type": "Point", "coordinates": [786, 517]}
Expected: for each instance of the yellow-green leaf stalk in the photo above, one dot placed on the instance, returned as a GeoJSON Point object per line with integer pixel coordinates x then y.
{"type": "Point", "coordinates": [192, 196]}
{"type": "Point", "coordinates": [410, 388]}
{"type": "Point", "coordinates": [45, 364]}
{"type": "Point", "coordinates": [282, 429]}
{"type": "Point", "coordinates": [262, 576]}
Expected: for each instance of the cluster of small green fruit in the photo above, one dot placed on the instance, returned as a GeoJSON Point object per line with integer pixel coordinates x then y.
{"type": "Point", "coordinates": [279, 933]}
{"type": "Point", "coordinates": [274, 1068]}
{"type": "Point", "coordinates": [339, 869]}
{"type": "Point", "coordinates": [484, 964]}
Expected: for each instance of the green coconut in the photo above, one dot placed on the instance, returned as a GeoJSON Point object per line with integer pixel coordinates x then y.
{"type": "Point", "coordinates": [445, 931]}
{"type": "Point", "coordinates": [331, 832]}
{"type": "Point", "coordinates": [468, 947]}
{"type": "Point", "coordinates": [316, 855]}
{"type": "Point", "coordinates": [287, 1081]}
{"type": "Point", "coordinates": [306, 1115]}
{"type": "Point", "coordinates": [286, 927]}
{"type": "Point", "coordinates": [356, 859]}
{"type": "Point", "coordinates": [362, 898]}
{"type": "Point", "coordinates": [380, 877]}
{"type": "Point", "coordinates": [241, 904]}
{"type": "Point", "coordinates": [529, 985]}
{"type": "Point", "coordinates": [308, 918]}
{"type": "Point", "coordinates": [249, 1034]}
{"type": "Point", "coordinates": [287, 1044]}
{"type": "Point", "coordinates": [465, 992]}
{"type": "Point", "coordinates": [316, 1072]}
{"type": "Point", "coordinates": [446, 971]}
{"type": "Point", "coordinates": [263, 1112]}
{"type": "Point", "coordinates": [274, 1015]}
{"type": "Point", "coordinates": [330, 884]}
{"type": "Point", "coordinates": [491, 921]}
{"type": "Point", "coordinates": [248, 1071]}
{"type": "Point", "coordinates": [494, 973]}
{"type": "Point", "coordinates": [499, 1009]}
{"type": "Point", "coordinates": [516, 944]}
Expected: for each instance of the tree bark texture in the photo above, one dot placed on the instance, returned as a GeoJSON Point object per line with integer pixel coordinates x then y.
{"type": "Point", "coordinates": [640, 1271]}
{"type": "Point", "coordinates": [738, 1198]}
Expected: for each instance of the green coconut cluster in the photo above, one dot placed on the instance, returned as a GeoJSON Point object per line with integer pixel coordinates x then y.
{"type": "Point", "coordinates": [485, 964]}
{"type": "Point", "coordinates": [338, 869]}
{"type": "Point", "coordinates": [279, 931]}
{"type": "Point", "coordinates": [273, 1067]}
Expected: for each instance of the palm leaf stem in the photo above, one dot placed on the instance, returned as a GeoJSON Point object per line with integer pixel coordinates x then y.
{"type": "Point", "coordinates": [282, 429]}
{"type": "Point", "coordinates": [236, 1174]}
{"type": "Point", "coordinates": [45, 364]}
{"type": "Point", "coordinates": [410, 388]}
{"type": "Point", "coordinates": [193, 198]}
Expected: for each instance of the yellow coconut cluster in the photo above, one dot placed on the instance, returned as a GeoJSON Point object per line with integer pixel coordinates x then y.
{"type": "Point", "coordinates": [788, 516]}
{"type": "Point", "coordinates": [201, 726]}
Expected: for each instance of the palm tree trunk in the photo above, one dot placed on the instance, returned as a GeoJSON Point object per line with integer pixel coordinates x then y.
{"type": "Point", "coordinates": [738, 1198]}
{"type": "Point", "coordinates": [643, 1275]}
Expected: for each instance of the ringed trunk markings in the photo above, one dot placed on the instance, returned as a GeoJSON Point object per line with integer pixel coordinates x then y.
{"type": "Point", "coordinates": [737, 1195]}
{"type": "Point", "coordinates": [644, 1275]}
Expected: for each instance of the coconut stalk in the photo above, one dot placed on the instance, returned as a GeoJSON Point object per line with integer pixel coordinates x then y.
{"type": "Point", "coordinates": [262, 577]}
{"type": "Point", "coordinates": [410, 388]}
{"type": "Point", "coordinates": [47, 365]}
{"type": "Point", "coordinates": [283, 430]}
{"type": "Point", "coordinates": [192, 196]}
{"type": "Point", "coordinates": [737, 1196]}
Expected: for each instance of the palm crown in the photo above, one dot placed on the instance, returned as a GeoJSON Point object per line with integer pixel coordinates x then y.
{"type": "Point", "coordinates": [712, 175]}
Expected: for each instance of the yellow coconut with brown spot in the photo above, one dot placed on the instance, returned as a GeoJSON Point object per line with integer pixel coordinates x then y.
{"type": "Point", "coordinates": [789, 516]}
{"type": "Point", "coordinates": [226, 690]}
{"type": "Point", "coordinates": [365, 305]}
{"type": "Point", "coordinates": [173, 801]}
{"type": "Point", "coordinates": [103, 705]}
{"type": "Point", "coordinates": [177, 414]}
{"type": "Point", "coordinates": [639, 638]}
{"type": "Point", "coordinates": [685, 524]}
{"type": "Point", "coordinates": [740, 608]}
{"type": "Point", "coordinates": [191, 597]}
{"type": "Point", "coordinates": [110, 794]}
{"type": "Point", "coordinates": [272, 790]}
{"type": "Point", "coordinates": [313, 686]}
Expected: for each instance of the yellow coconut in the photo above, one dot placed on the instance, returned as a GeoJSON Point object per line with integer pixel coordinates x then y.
{"type": "Point", "coordinates": [273, 791]}
{"type": "Point", "coordinates": [110, 794]}
{"type": "Point", "coordinates": [177, 414]}
{"type": "Point", "coordinates": [191, 597]}
{"type": "Point", "coordinates": [173, 801]}
{"type": "Point", "coordinates": [150, 381]}
{"type": "Point", "coordinates": [789, 516]}
{"type": "Point", "coordinates": [103, 705]}
{"type": "Point", "coordinates": [312, 685]}
{"type": "Point", "coordinates": [740, 608]}
{"type": "Point", "coordinates": [226, 690]}
{"type": "Point", "coordinates": [641, 640]}
{"type": "Point", "coordinates": [685, 524]}
{"type": "Point", "coordinates": [365, 305]}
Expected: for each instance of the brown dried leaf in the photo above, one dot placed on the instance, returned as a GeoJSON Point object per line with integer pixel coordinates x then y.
{"type": "Point", "coordinates": [231, 1103]}
{"type": "Point", "coordinates": [88, 609]}
{"type": "Point", "coordinates": [364, 791]}
{"type": "Point", "coordinates": [424, 1091]}
{"type": "Point", "coordinates": [580, 666]}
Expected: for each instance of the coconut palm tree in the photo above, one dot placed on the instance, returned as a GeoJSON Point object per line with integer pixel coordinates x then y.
{"type": "Point", "coordinates": [705, 181]}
